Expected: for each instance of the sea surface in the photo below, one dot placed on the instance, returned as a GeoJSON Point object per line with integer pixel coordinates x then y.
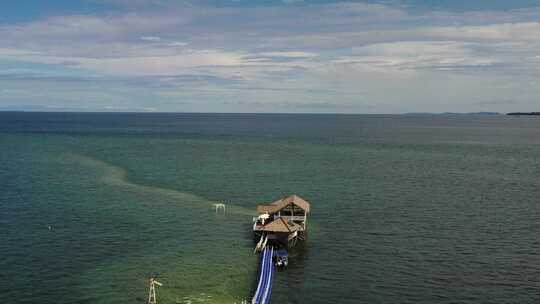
{"type": "Point", "coordinates": [405, 209]}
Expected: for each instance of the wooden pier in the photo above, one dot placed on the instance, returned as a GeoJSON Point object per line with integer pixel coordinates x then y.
{"type": "Point", "coordinates": [279, 226]}
{"type": "Point", "coordinates": [282, 223]}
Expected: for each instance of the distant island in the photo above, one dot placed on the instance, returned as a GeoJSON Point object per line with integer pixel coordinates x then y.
{"type": "Point", "coordinates": [524, 113]}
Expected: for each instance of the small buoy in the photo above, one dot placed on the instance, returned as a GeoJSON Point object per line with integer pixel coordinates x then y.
{"type": "Point", "coordinates": [50, 227]}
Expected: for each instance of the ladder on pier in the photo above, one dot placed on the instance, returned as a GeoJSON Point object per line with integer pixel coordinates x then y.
{"type": "Point", "coordinates": [261, 244]}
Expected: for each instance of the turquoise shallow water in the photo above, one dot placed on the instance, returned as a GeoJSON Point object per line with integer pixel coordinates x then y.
{"type": "Point", "coordinates": [406, 209]}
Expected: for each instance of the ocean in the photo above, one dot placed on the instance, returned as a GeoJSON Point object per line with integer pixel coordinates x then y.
{"type": "Point", "coordinates": [405, 208]}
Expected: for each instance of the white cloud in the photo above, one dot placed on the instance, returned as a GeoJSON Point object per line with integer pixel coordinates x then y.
{"type": "Point", "coordinates": [143, 65]}
{"type": "Point", "coordinates": [16, 52]}
{"type": "Point", "coordinates": [441, 55]}
{"type": "Point", "coordinates": [78, 28]}
{"type": "Point", "coordinates": [351, 52]}
{"type": "Point", "coordinates": [289, 54]}
{"type": "Point", "coordinates": [178, 43]}
{"type": "Point", "coordinates": [525, 31]}
{"type": "Point", "coordinates": [150, 38]}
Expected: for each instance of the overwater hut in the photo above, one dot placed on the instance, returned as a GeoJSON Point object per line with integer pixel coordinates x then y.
{"type": "Point", "coordinates": [283, 222]}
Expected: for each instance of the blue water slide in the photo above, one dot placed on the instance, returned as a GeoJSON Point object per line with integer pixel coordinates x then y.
{"type": "Point", "coordinates": [261, 277]}
{"type": "Point", "coordinates": [265, 297]}
{"type": "Point", "coordinates": [264, 288]}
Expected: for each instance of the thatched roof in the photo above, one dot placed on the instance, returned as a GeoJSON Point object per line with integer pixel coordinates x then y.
{"type": "Point", "coordinates": [284, 202]}
{"type": "Point", "coordinates": [281, 225]}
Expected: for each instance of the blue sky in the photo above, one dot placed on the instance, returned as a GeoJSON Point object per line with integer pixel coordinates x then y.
{"type": "Point", "coordinates": [270, 56]}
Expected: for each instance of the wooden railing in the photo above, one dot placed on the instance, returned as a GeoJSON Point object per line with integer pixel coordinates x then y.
{"type": "Point", "coordinates": [290, 218]}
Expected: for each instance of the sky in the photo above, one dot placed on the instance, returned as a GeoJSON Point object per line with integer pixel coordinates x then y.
{"type": "Point", "coordinates": [278, 56]}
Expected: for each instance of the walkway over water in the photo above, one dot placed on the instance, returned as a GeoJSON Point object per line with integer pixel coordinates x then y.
{"type": "Point", "coordinates": [264, 288]}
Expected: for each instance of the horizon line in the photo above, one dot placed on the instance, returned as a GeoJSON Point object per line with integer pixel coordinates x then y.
{"type": "Point", "coordinates": [487, 113]}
